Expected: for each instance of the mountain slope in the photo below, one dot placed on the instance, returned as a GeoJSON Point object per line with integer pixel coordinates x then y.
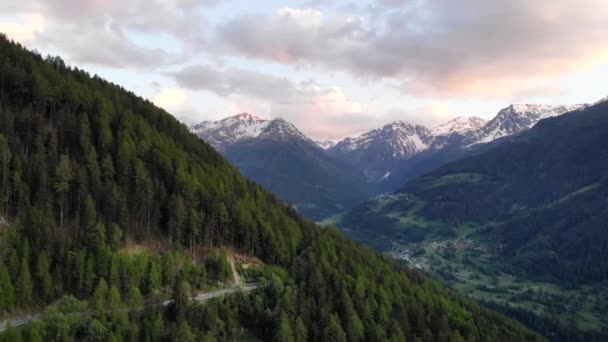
{"type": "Point", "coordinates": [515, 119]}
{"type": "Point", "coordinates": [532, 208]}
{"type": "Point", "coordinates": [461, 137]}
{"type": "Point", "coordinates": [327, 144]}
{"type": "Point", "coordinates": [230, 130]}
{"type": "Point", "coordinates": [544, 169]}
{"type": "Point", "coordinates": [376, 152]}
{"type": "Point", "coordinates": [277, 155]}
{"type": "Point", "coordinates": [81, 200]}
{"type": "Point", "coordinates": [459, 125]}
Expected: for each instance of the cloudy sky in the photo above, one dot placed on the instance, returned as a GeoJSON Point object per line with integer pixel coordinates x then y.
{"type": "Point", "coordinates": [334, 68]}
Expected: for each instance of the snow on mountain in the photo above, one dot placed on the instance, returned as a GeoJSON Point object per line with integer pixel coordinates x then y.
{"type": "Point", "coordinates": [401, 140]}
{"type": "Point", "coordinates": [515, 119]}
{"type": "Point", "coordinates": [279, 129]}
{"type": "Point", "coordinates": [397, 140]}
{"type": "Point", "coordinates": [605, 99]}
{"type": "Point", "coordinates": [326, 144]}
{"type": "Point", "coordinates": [244, 127]}
{"type": "Point", "coordinates": [459, 125]}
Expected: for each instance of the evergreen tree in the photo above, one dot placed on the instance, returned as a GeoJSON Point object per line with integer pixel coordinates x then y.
{"type": "Point", "coordinates": [24, 283]}
{"type": "Point", "coordinates": [184, 333]}
{"type": "Point", "coordinates": [284, 332]}
{"type": "Point", "coordinates": [44, 280]}
{"type": "Point", "coordinates": [7, 291]}
{"type": "Point", "coordinates": [334, 331]}
{"type": "Point", "coordinates": [63, 177]}
{"type": "Point", "coordinates": [100, 297]}
{"type": "Point", "coordinates": [300, 331]}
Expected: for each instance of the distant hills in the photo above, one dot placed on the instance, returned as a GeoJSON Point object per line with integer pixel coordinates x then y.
{"type": "Point", "coordinates": [526, 215]}
{"type": "Point", "coordinates": [281, 158]}
{"type": "Point", "coordinates": [399, 151]}
{"type": "Point", "coordinates": [554, 168]}
{"type": "Point", "coordinates": [321, 178]}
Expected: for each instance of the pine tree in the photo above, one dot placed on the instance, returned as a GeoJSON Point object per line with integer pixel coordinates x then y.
{"type": "Point", "coordinates": [5, 159]}
{"type": "Point", "coordinates": [334, 331]}
{"type": "Point", "coordinates": [100, 297]}
{"type": "Point", "coordinates": [7, 291]}
{"type": "Point", "coordinates": [154, 277]}
{"type": "Point", "coordinates": [177, 218]}
{"type": "Point", "coordinates": [44, 280]}
{"type": "Point", "coordinates": [184, 333]}
{"type": "Point", "coordinates": [24, 284]}
{"type": "Point", "coordinates": [181, 299]}
{"type": "Point", "coordinates": [284, 332]}
{"type": "Point", "coordinates": [300, 331]}
{"type": "Point", "coordinates": [63, 177]}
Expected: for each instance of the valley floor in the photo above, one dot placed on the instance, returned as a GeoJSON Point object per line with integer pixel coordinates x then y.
{"type": "Point", "coordinates": [471, 268]}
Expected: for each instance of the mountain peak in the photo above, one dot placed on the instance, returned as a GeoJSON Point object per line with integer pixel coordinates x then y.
{"type": "Point", "coordinates": [247, 117]}
{"type": "Point", "coordinates": [400, 124]}
{"type": "Point", "coordinates": [325, 144]}
{"type": "Point", "coordinates": [398, 139]}
{"type": "Point", "coordinates": [517, 118]}
{"type": "Point", "coordinates": [540, 110]}
{"type": "Point", "coordinates": [243, 127]}
{"type": "Point", "coordinates": [459, 124]}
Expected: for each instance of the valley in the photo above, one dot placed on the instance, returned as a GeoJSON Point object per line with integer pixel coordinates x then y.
{"type": "Point", "coordinates": [464, 260]}
{"type": "Point", "coordinates": [519, 227]}
{"type": "Point", "coordinates": [323, 178]}
{"type": "Point", "coordinates": [303, 171]}
{"type": "Point", "coordinates": [472, 268]}
{"type": "Point", "coordinates": [109, 203]}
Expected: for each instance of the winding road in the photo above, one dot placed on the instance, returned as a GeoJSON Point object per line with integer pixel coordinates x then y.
{"type": "Point", "coordinates": [201, 298]}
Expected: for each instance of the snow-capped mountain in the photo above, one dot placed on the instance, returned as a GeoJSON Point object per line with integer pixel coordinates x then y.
{"type": "Point", "coordinates": [321, 177]}
{"type": "Point", "coordinates": [279, 129]}
{"type": "Point", "coordinates": [460, 124]}
{"type": "Point", "coordinates": [244, 127]}
{"type": "Point", "coordinates": [397, 140]}
{"type": "Point", "coordinates": [387, 154]}
{"type": "Point", "coordinates": [375, 151]}
{"type": "Point", "coordinates": [515, 119]}
{"type": "Point", "coordinates": [326, 144]}
{"type": "Point", "coordinates": [278, 156]}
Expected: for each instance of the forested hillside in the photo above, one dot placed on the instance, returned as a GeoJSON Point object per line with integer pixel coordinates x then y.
{"type": "Point", "coordinates": [88, 171]}
{"type": "Point", "coordinates": [522, 224]}
{"type": "Point", "coordinates": [541, 195]}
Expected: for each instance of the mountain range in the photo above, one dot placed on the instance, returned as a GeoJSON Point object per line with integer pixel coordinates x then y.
{"type": "Point", "coordinates": [400, 151]}
{"type": "Point", "coordinates": [281, 158]}
{"type": "Point", "coordinates": [321, 178]}
{"type": "Point", "coordinates": [522, 222]}
{"type": "Point", "coordinates": [118, 224]}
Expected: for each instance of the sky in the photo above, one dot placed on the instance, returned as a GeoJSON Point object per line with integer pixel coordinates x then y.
{"type": "Point", "coordinates": [333, 68]}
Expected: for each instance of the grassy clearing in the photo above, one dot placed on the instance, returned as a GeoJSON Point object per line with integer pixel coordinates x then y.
{"type": "Point", "coordinates": [332, 220]}
{"type": "Point", "coordinates": [580, 191]}
{"type": "Point", "coordinates": [457, 178]}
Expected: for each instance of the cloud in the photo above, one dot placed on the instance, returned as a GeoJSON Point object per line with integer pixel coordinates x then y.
{"type": "Point", "coordinates": [226, 82]}
{"type": "Point", "coordinates": [429, 115]}
{"type": "Point", "coordinates": [324, 113]}
{"type": "Point", "coordinates": [462, 48]}
{"type": "Point", "coordinates": [318, 111]}
{"type": "Point", "coordinates": [113, 33]}
{"type": "Point", "coordinates": [171, 99]}
{"type": "Point", "coordinates": [25, 30]}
